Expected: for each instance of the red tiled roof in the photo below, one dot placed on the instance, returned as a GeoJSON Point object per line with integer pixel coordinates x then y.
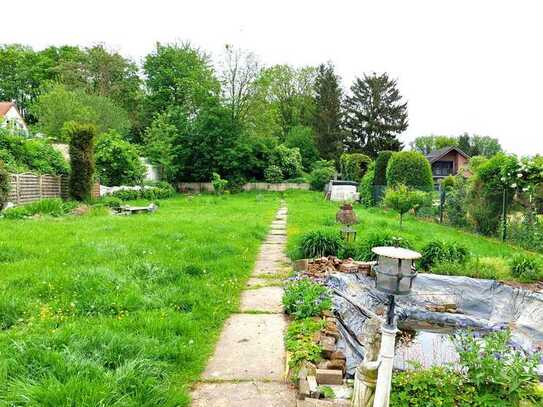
{"type": "Point", "coordinates": [4, 107]}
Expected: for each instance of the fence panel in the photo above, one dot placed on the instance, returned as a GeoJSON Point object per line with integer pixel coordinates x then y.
{"type": "Point", "coordinates": [25, 188]}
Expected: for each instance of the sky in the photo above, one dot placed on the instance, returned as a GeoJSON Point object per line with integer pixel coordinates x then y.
{"type": "Point", "coordinates": [463, 66]}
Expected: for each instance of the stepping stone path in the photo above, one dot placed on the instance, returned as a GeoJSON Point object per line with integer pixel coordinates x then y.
{"type": "Point", "coordinates": [248, 367]}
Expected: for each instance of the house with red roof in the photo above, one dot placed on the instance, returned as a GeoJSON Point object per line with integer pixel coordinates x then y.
{"type": "Point", "coordinates": [11, 119]}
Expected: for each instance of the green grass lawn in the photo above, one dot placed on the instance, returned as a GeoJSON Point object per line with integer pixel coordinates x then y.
{"type": "Point", "coordinates": [122, 311]}
{"type": "Point", "coordinates": [309, 211]}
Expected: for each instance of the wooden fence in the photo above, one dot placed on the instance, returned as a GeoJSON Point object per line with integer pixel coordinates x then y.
{"type": "Point", "coordinates": [252, 186]}
{"type": "Point", "coordinates": [29, 187]}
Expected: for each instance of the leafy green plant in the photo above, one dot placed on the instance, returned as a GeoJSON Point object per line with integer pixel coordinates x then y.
{"type": "Point", "coordinates": [52, 207]}
{"type": "Point", "coordinates": [411, 169]}
{"type": "Point", "coordinates": [436, 386]}
{"type": "Point", "coordinates": [304, 298]}
{"type": "Point", "coordinates": [110, 201]}
{"type": "Point", "coordinates": [299, 342]}
{"type": "Point", "coordinates": [401, 199]}
{"type": "Point", "coordinates": [439, 251]}
{"type": "Point", "coordinates": [494, 367]}
{"type": "Point", "coordinates": [322, 242]}
{"type": "Point", "coordinates": [218, 183]}
{"type": "Point", "coordinates": [525, 268]}
{"type": "Point", "coordinates": [327, 392]}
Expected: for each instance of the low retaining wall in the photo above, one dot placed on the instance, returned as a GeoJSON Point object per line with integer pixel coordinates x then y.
{"type": "Point", "coordinates": [251, 186]}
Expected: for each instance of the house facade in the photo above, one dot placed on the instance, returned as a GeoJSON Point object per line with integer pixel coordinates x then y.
{"type": "Point", "coordinates": [11, 119]}
{"type": "Point", "coordinates": [447, 161]}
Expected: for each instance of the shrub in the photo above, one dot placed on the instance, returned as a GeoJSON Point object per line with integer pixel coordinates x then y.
{"type": "Point", "coordinates": [402, 199]}
{"type": "Point", "coordinates": [161, 190]}
{"type": "Point", "coordinates": [21, 154]}
{"type": "Point", "coordinates": [525, 268]}
{"type": "Point", "coordinates": [456, 202]}
{"type": "Point", "coordinates": [436, 386]}
{"type": "Point", "coordinates": [82, 159]}
{"type": "Point", "coordinates": [410, 168]}
{"type": "Point", "coordinates": [320, 243]}
{"type": "Point", "coordinates": [4, 185]}
{"type": "Point", "coordinates": [485, 197]}
{"type": "Point", "coordinates": [495, 369]}
{"type": "Point", "coordinates": [492, 373]}
{"type": "Point", "coordinates": [299, 342]}
{"type": "Point", "coordinates": [323, 172]}
{"type": "Point", "coordinates": [364, 253]}
{"type": "Point", "coordinates": [218, 183]}
{"type": "Point", "coordinates": [437, 252]}
{"type": "Point", "coordinates": [304, 299]}
{"type": "Point", "coordinates": [366, 186]}
{"type": "Point", "coordinates": [381, 163]}
{"type": "Point", "coordinates": [526, 232]}
{"type": "Point", "coordinates": [353, 166]}
{"type": "Point", "coordinates": [117, 161]}
{"type": "Point", "coordinates": [289, 160]}
{"type": "Point", "coordinates": [273, 174]}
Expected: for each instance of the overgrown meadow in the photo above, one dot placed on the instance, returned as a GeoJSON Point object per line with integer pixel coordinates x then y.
{"type": "Point", "coordinates": [122, 311]}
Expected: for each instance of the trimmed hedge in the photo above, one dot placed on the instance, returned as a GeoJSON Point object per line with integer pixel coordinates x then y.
{"type": "Point", "coordinates": [353, 166]}
{"type": "Point", "coordinates": [410, 168]}
{"type": "Point", "coordinates": [82, 138]}
{"type": "Point", "coordinates": [381, 163]}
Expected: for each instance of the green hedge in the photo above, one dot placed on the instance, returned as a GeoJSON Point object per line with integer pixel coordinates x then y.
{"type": "Point", "coordinates": [410, 168]}
{"type": "Point", "coordinates": [82, 159]}
{"type": "Point", "coordinates": [381, 163]}
{"type": "Point", "coordinates": [4, 185]}
{"type": "Point", "coordinates": [353, 166]}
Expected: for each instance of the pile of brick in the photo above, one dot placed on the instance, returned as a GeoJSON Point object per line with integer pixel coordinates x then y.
{"type": "Point", "coordinates": [323, 266]}
{"type": "Point", "coordinates": [330, 371]}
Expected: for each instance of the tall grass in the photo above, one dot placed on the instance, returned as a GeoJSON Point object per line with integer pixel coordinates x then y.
{"type": "Point", "coordinates": [122, 311]}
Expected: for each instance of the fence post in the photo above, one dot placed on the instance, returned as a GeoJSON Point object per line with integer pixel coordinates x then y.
{"type": "Point", "coordinates": [17, 189]}
{"type": "Point", "coordinates": [41, 186]}
{"type": "Point", "coordinates": [441, 205]}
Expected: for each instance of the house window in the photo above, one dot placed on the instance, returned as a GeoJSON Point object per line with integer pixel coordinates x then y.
{"type": "Point", "coordinates": [443, 168]}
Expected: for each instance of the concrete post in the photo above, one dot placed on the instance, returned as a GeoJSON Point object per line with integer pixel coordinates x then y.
{"type": "Point", "coordinates": [386, 358]}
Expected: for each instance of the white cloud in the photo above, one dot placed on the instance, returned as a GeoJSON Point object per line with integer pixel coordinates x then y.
{"type": "Point", "coordinates": [462, 65]}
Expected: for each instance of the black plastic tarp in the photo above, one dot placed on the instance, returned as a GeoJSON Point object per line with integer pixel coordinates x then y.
{"type": "Point", "coordinates": [482, 305]}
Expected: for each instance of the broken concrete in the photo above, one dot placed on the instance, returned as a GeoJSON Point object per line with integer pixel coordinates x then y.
{"type": "Point", "coordinates": [265, 299]}
{"type": "Point", "coordinates": [244, 394]}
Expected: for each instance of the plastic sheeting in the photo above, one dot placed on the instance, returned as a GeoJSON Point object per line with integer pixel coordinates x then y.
{"type": "Point", "coordinates": [483, 305]}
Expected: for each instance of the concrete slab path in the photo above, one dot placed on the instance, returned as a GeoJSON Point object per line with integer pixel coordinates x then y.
{"type": "Point", "coordinates": [248, 366]}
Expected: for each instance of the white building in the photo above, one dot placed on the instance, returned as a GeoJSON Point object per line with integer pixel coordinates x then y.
{"type": "Point", "coordinates": [11, 119]}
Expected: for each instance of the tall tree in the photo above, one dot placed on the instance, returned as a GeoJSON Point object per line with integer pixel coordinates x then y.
{"type": "Point", "coordinates": [427, 144]}
{"type": "Point", "coordinates": [479, 145]}
{"type": "Point", "coordinates": [178, 75]}
{"type": "Point", "coordinates": [240, 69]}
{"type": "Point", "coordinates": [374, 115]}
{"type": "Point", "coordinates": [328, 114]}
{"type": "Point", "coordinates": [290, 92]}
